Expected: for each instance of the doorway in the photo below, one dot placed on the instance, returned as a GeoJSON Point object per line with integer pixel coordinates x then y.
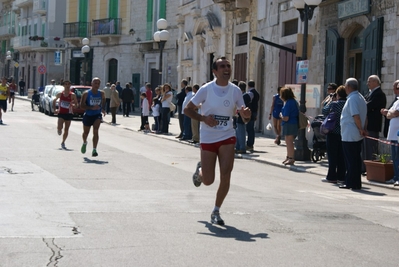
{"type": "Point", "coordinates": [113, 70]}
{"type": "Point", "coordinates": [355, 55]}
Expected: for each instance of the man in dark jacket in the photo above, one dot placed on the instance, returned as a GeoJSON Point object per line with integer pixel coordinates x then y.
{"type": "Point", "coordinates": [127, 99]}
{"type": "Point", "coordinates": [376, 100]}
{"type": "Point", "coordinates": [253, 106]}
{"type": "Point", "coordinates": [180, 99]}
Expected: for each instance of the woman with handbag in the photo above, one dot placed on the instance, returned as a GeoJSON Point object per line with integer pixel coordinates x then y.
{"type": "Point", "coordinates": [289, 116]}
{"type": "Point", "coordinates": [165, 103]}
{"type": "Point", "coordinates": [336, 162]}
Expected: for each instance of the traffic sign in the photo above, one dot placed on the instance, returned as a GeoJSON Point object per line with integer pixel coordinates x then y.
{"type": "Point", "coordinates": [41, 69]}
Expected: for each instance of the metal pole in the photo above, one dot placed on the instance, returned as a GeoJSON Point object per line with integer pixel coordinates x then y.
{"type": "Point", "coordinates": [302, 152]}
{"type": "Point", "coordinates": [161, 46]}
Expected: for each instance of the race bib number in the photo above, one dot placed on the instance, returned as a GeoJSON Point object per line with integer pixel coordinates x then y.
{"type": "Point", "coordinates": [223, 122]}
{"type": "Point", "coordinates": [95, 101]}
{"type": "Point", "coordinates": [64, 104]}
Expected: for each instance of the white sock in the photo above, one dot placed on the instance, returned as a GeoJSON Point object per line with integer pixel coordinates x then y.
{"type": "Point", "coordinates": [216, 208]}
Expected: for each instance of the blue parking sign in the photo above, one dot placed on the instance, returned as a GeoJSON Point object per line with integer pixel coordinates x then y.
{"type": "Point", "coordinates": [57, 58]}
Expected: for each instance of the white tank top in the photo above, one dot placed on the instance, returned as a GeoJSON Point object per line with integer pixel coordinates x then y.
{"type": "Point", "coordinates": [223, 109]}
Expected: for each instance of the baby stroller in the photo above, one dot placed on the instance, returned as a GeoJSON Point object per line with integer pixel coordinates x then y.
{"type": "Point", "coordinates": [319, 140]}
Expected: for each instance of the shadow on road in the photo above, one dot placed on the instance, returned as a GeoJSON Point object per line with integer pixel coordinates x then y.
{"type": "Point", "coordinates": [230, 232]}
{"type": "Point", "coordinates": [93, 161]}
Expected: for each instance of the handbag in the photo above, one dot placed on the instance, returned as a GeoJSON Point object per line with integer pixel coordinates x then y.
{"type": "Point", "coordinates": [328, 124]}
{"type": "Point", "coordinates": [303, 121]}
{"type": "Point", "coordinates": [172, 107]}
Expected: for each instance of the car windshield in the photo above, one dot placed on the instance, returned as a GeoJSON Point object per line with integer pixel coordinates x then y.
{"type": "Point", "coordinates": [57, 90]}
{"type": "Point", "coordinates": [79, 91]}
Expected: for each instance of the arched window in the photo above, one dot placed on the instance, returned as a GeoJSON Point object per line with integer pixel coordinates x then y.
{"type": "Point", "coordinates": [113, 70]}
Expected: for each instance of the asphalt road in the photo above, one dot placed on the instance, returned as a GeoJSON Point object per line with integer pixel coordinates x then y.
{"type": "Point", "coordinates": [135, 205]}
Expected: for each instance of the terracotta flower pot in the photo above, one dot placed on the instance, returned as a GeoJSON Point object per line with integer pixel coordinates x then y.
{"type": "Point", "coordinates": [378, 171]}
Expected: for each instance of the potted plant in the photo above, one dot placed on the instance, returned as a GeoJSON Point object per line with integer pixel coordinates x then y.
{"type": "Point", "coordinates": [380, 169]}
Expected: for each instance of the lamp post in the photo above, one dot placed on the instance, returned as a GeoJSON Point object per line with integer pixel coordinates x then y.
{"type": "Point", "coordinates": [8, 58]}
{"type": "Point", "coordinates": [85, 51]}
{"type": "Point", "coordinates": [305, 8]}
{"type": "Point", "coordinates": [161, 36]}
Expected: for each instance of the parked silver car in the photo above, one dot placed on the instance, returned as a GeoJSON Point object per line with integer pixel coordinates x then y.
{"type": "Point", "coordinates": [43, 94]}
{"type": "Point", "coordinates": [48, 99]}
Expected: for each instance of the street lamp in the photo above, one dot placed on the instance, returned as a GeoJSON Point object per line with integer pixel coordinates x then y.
{"type": "Point", "coordinates": [8, 58]}
{"type": "Point", "coordinates": [161, 36]}
{"type": "Point", "coordinates": [85, 51]}
{"type": "Point", "coordinates": [305, 8]}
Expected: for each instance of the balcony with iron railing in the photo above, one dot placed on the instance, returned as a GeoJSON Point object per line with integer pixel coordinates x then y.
{"type": "Point", "coordinates": [7, 31]}
{"type": "Point", "coordinates": [107, 27]}
{"type": "Point", "coordinates": [47, 44]}
{"type": "Point", "coordinates": [21, 42]}
{"type": "Point", "coordinates": [39, 7]}
{"type": "Point", "coordinates": [76, 30]}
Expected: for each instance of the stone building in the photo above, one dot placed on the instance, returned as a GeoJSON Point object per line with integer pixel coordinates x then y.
{"type": "Point", "coordinates": [121, 42]}
{"type": "Point", "coordinates": [31, 31]}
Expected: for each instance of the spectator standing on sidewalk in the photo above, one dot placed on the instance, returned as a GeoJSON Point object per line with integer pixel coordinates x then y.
{"type": "Point", "coordinates": [115, 102]}
{"type": "Point", "coordinates": [148, 93]}
{"type": "Point", "coordinates": [127, 99]}
{"type": "Point", "coordinates": [275, 110]}
{"type": "Point", "coordinates": [289, 116]}
{"type": "Point", "coordinates": [335, 154]}
{"type": "Point", "coordinates": [376, 100]}
{"type": "Point", "coordinates": [353, 130]}
{"type": "Point", "coordinates": [119, 89]}
{"type": "Point", "coordinates": [220, 99]}
{"type": "Point", "coordinates": [187, 133]}
{"type": "Point", "coordinates": [241, 129]}
{"type": "Point", "coordinates": [180, 99]}
{"type": "Point", "coordinates": [194, 122]}
{"type": "Point", "coordinates": [384, 111]}
{"type": "Point", "coordinates": [253, 106]}
{"type": "Point", "coordinates": [21, 85]}
{"type": "Point", "coordinates": [166, 99]}
{"type": "Point", "coordinates": [145, 112]}
{"type": "Point", "coordinates": [107, 92]}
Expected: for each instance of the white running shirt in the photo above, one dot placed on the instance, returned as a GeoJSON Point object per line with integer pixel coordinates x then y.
{"type": "Point", "coordinates": [222, 102]}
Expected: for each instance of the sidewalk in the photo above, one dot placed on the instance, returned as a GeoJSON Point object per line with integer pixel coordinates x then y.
{"type": "Point", "coordinates": [265, 149]}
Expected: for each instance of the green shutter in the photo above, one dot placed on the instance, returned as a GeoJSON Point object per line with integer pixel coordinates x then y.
{"type": "Point", "coordinates": [150, 6]}
{"type": "Point", "coordinates": [35, 29]}
{"type": "Point", "coordinates": [113, 9]}
{"type": "Point", "coordinates": [3, 47]}
{"type": "Point", "coordinates": [43, 29]}
{"type": "Point", "coordinates": [162, 9]}
{"type": "Point", "coordinates": [83, 6]}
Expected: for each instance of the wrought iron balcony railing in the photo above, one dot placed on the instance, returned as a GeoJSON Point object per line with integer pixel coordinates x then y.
{"type": "Point", "coordinates": [77, 30]}
{"type": "Point", "coordinates": [107, 27]}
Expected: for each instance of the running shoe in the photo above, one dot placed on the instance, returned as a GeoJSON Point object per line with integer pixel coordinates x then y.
{"type": "Point", "coordinates": [63, 146]}
{"type": "Point", "coordinates": [396, 183]}
{"type": "Point", "coordinates": [1, 122]}
{"type": "Point", "coordinates": [216, 219]}
{"type": "Point", "coordinates": [94, 153]}
{"type": "Point", "coordinates": [59, 132]}
{"type": "Point", "coordinates": [83, 148]}
{"type": "Point", "coordinates": [196, 178]}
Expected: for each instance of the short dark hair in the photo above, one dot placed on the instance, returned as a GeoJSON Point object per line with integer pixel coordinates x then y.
{"type": "Point", "coordinates": [251, 83]}
{"type": "Point", "coordinates": [332, 85]}
{"type": "Point", "coordinates": [185, 82]}
{"type": "Point", "coordinates": [189, 88]}
{"type": "Point", "coordinates": [215, 65]}
{"type": "Point", "coordinates": [341, 92]}
{"type": "Point", "coordinates": [242, 85]}
{"type": "Point", "coordinates": [196, 86]}
{"type": "Point", "coordinates": [144, 94]}
{"type": "Point", "coordinates": [235, 81]}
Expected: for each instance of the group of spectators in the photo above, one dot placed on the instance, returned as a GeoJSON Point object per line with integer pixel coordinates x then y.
{"type": "Point", "coordinates": [357, 129]}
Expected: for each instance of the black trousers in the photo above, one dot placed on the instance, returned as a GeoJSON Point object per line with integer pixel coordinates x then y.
{"type": "Point", "coordinates": [353, 163]}
{"type": "Point", "coordinates": [107, 102]}
{"type": "Point", "coordinates": [126, 108]}
{"type": "Point", "coordinates": [336, 160]}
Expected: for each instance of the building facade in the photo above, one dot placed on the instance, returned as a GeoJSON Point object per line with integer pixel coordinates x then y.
{"type": "Point", "coordinates": [122, 48]}
{"type": "Point", "coordinates": [36, 45]}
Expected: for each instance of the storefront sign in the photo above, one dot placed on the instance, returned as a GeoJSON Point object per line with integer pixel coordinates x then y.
{"type": "Point", "coordinates": [353, 8]}
{"type": "Point", "coordinates": [312, 94]}
{"type": "Point", "coordinates": [77, 53]}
